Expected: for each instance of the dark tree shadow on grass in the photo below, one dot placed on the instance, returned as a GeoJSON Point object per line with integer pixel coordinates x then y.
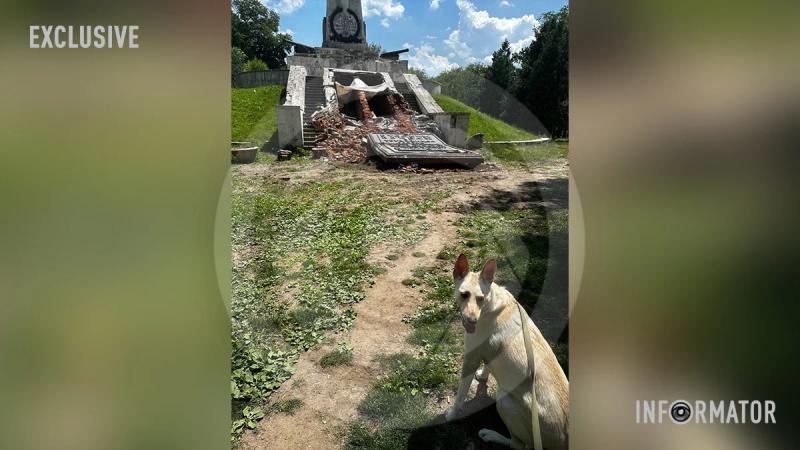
{"type": "Point", "coordinates": [478, 413]}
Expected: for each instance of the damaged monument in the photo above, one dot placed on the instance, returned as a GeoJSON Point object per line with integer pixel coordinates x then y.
{"type": "Point", "coordinates": [342, 101]}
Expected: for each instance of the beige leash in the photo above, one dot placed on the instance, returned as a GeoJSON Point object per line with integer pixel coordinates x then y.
{"type": "Point", "coordinates": [526, 336]}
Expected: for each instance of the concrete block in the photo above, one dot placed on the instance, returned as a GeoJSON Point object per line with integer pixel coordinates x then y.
{"type": "Point", "coordinates": [290, 125]}
{"type": "Point", "coordinates": [454, 126]}
{"type": "Point", "coordinates": [289, 116]}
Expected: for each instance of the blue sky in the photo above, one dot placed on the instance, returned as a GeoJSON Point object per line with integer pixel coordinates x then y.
{"type": "Point", "coordinates": [440, 33]}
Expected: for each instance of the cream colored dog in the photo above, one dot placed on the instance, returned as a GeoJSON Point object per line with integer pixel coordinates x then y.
{"type": "Point", "coordinates": [493, 335]}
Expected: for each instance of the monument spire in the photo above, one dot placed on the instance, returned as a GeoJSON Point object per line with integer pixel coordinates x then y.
{"type": "Point", "coordinates": [343, 26]}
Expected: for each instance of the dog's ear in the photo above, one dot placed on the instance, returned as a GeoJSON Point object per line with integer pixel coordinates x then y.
{"type": "Point", "coordinates": [462, 267]}
{"type": "Point", "coordinates": [487, 274]}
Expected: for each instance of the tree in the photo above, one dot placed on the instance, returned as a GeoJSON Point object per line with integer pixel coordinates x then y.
{"type": "Point", "coordinates": [375, 50]}
{"type": "Point", "coordinates": [464, 83]}
{"type": "Point", "coordinates": [501, 75]}
{"type": "Point", "coordinates": [420, 73]}
{"type": "Point", "coordinates": [255, 30]}
{"type": "Point", "coordinates": [238, 61]}
{"type": "Point", "coordinates": [542, 83]}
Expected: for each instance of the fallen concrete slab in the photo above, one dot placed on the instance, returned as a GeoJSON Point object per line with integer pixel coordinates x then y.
{"type": "Point", "coordinates": [421, 148]}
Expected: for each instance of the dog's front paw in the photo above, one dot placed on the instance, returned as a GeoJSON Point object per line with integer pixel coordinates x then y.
{"type": "Point", "coordinates": [451, 413]}
{"type": "Point", "coordinates": [492, 436]}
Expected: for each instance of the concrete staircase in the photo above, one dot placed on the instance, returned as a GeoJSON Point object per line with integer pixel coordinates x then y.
{"type": "Point", "coordinates": [315, 99]}
{"type": "Point", "coordinates": [407, 94]}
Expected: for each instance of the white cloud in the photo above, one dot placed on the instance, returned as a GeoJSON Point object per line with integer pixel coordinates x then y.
{"type": "Point", "coordinates": [520, 44]}
{"type": "Point", "coordinates": [425, 58]}
{"type": "Point", "coordinates": [506, 3]}
{"type": "Point", "coordinates": [430, 37]}
{"type": "Point", "coordinates": [285, 6]}
{"type": "Point", "coordinates": [482, 19]}
{"type": "Point", "coordinates": [455, 43]}
{"type": "Point", "coordinates": [385, 22]}
{"type": "Point", "coordinates": [385, 8]}
{"type": "Point", "coordinates": [435, 4]}
{"type": "Point", "coordinates": [479, 33]}
{"type": "Point", "coordinates": [289, 31]}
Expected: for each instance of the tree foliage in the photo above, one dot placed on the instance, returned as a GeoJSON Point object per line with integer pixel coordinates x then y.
{"type": "Point", "coordinates": [500, 74]}
{"type": "Point", "coordinates": [255, 30]}
{"type": "Point", "coordinates": [542, 83]}
{"type": "Point", "coordinates": [537, 76]}
{"type": "Point", "coordinates": [420, 73]}
{"type": "Point", "coordinates": [238, 61]}
{"type": "Point", "coordinates": [255, 65]}
{"type": "Point", "coordinates": [375, 49]}
{"type": "Point", "coordinates": [465, 84]}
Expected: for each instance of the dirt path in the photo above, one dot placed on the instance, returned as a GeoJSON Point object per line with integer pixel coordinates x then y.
{"type": "Point", "coordinates": [331, 395]}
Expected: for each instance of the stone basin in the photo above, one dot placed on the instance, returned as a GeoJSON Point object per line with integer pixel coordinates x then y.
{"type": "Point", "coordinates": [243, 155]}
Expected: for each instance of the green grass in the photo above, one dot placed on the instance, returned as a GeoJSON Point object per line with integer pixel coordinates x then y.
{"type": "Point", "coordinates": [253, 113]}
{"type": "Point", "coordinates": [340, 356]}
{"type": "Point", "coordinates": [289, 406]}
{"type": "Point", "coordinates": [528, 154]}
{"type": "Point", "coordinates": [479, 122]}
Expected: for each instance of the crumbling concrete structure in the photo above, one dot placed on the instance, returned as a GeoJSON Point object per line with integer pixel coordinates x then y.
{"type": "Point", "coordinates": [339, 93]}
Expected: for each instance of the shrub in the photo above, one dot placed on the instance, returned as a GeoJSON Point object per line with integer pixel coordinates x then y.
{"type": "Point", "coordinates": [256, 65]}
{"type": "Point", "coordinates": [238, 61]}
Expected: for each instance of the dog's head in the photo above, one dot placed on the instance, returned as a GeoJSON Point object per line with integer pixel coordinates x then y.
{"type": "Point", "coordinates": [472, 290]}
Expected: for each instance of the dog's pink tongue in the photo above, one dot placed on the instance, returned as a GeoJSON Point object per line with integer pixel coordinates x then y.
{"type": "Point", "coordinates": [469, 327]}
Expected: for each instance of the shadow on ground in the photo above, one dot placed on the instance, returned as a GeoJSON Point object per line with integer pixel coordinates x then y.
{"type": "Point", "coordinates": [478, 413]}
{"type": "Point", "coordinates": [271, 146]}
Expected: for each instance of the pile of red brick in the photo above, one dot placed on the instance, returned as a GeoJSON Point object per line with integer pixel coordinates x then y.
{"type": "Point", "coordinates": [344, 139]}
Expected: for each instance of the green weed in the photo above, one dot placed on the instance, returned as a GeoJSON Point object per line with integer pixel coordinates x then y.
{"type": "Point", "coordinates": [289, 406]}
{"type": "Point", "coordinates": [341, 355]}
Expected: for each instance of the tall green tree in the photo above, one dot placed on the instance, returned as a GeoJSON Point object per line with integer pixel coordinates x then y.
{"type": "Point", "coordinates": [255, 30]}
{"type": "Point", "coordinates": [542, 83]}
{"type": "Point", "coordinates": [464, 83]}
{"type": "Point", "coordinates": [500, 75]}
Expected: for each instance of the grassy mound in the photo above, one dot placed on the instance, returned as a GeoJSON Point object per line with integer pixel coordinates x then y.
{"type": "Point", "coordinates": [253, 113]}
{"type": "Point", "coordinates": [493, 129]}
